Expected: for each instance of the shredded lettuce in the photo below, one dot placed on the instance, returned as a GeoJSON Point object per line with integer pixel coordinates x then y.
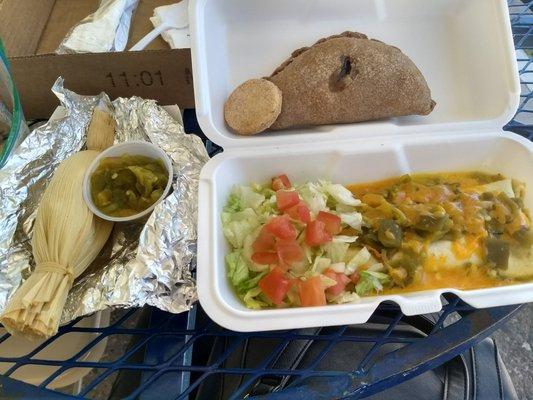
{"type": "Point", "coordinates": [300, 268]}
{"type": "Point", "coordinates": [308, 253]}
{"type": "Point", "coordinates": [320, 265]}
{"type": "Point", "coordinates": [237, 267]}
{"type": "Point", "coordinates": [343, 209]}
{"type": "Point", "coordinates": [247, 244]}
{"type": "Point", "coordinates": [341, 194]}
{"type": "Point", "coordinates": [371, 281]}
{"type": "Point", "coordinates": [250, 300]}
{"type": "Point", "coordinates": [246, 285]}
{"type": "Point", "coordinates": [293, 297]}
{"type": "Point", "coordinates": [336, 251]}
{"type": "Point", "coordinates": [315, 198]}
{"type": "Point", "coordinates": [249, 207]}
{"type": "Point", "coordinates": [346, 297]}
{"type": "Point", "coordinates": [339, 267]}
{"type": "Point", "coordinates": [243, 197]}
{"type": "Point", "coordinates": [236, 226]}
{"type": "Point", "coordinates": [361, 258]}
{"type": "Point", "coordinates": [234, 204]}
{"type": "Point", "coordinates": [318, 195]}
{"type": "Point", "coordinates": [376, 267]}
{"type": "Point", "coordinates": [265, 190]}
{"type": "Point", "coordinates": [250, 283]}
{"type": "Point", "coordinates": [248, 250]}
{"type": "Point", "coordinates": [344, 239]}
{"type": "Point", "coordinates": [327, 281]}
{"type": "Point", "coordinates": [353, 219]}
{"type": "Point", "coordinates": [268, 209]}
{"type": "Point", "coordinates": [312, 253]}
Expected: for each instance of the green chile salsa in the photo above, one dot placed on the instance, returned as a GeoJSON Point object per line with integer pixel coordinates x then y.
{"type": "Point", "coordinates": [127, 185]}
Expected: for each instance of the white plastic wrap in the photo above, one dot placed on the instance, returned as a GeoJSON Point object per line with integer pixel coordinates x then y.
{"type": "Point", "coordinates": [106, 30]}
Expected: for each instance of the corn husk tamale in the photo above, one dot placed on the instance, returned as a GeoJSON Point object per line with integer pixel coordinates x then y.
{"type": "Point", "coordinates": [67, 237]}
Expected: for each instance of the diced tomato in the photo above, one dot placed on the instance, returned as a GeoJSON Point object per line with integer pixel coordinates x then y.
{"type": "Point", "coordinates": [286, 181]}
{"type": "Point", "coordinates": [293, 212]}
{"type": "Point", "coordinates": [289, 251]}
{"type": "Point", "coordinates": [300, 212]}
{"type": "Point", "coordinates": [281, 227]}
{"type": "Point", "coordinates": [277, 184]}
{"type": "Point", "coordinates": [332, 221]}
{"type": "Point", "coordinates": [342, 281]}
{"type": "Point", "coordinates": [275, 285]}
{"type": "Point", "coordinates": [316, 234]}
{"type": "Point", "coordinates": [285, 199]}
{"type": "Point", "coordinates": [265, 258]}
{"type": "Point", "coordinates": [355, 277]}
{"type": "Point", "coordinates": [281, 182]}
{"type": "Point", "coordinates": [311, 292]}
{"type": "Point", "coordinates": [264, 242]}
{"type": "Point", "coordinates": [304, 213]}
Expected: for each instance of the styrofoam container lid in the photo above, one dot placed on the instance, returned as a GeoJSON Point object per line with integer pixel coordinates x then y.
{"type": "Point", "coordinates": [463, 48]}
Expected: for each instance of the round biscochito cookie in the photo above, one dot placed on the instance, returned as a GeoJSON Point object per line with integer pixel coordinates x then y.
{"type": "Point", "coordinates": [253, 106]}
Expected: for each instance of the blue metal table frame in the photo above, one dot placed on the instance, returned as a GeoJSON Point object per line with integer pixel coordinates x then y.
{"type": "Point", "coordinates": [161, 358]}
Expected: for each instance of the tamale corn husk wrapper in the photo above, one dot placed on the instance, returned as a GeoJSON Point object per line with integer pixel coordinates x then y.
{"type": "Point", "coordinates": [67, 237]}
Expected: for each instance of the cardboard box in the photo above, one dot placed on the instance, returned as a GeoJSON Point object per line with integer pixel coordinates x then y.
{"type": "Point", "coordinates": [33, 29]}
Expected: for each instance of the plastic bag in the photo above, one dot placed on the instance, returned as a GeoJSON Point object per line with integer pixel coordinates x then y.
{"type": "Point", "coordinates": [13, 128]}
{"type": "Point", "coordinates": [105, 30]}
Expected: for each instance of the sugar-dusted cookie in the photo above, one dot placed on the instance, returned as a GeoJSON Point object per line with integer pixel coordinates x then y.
{"type": "Point", "coordinates": [253, 106]}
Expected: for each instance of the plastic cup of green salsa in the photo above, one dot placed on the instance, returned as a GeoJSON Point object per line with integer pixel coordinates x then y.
{"type": "Point", "coordinates": [126, 181]}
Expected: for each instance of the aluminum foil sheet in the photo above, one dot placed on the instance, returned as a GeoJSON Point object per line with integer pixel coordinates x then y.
{"type": "Point", "coordinates": [147, 262]}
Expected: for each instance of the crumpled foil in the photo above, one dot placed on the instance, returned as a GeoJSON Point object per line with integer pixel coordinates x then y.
{"type": "Point", "coordinates": [148, 262]}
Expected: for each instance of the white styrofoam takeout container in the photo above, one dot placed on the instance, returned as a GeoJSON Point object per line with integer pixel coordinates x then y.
{"type": "Point", "coordinates": [464, 49]}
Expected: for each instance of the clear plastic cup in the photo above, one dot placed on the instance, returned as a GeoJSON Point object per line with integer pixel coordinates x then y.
{"type": "Point", "coordinates": [13, 126]}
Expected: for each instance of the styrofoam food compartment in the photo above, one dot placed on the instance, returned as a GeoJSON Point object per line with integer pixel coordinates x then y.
{"type": "Point", "coordinates": [465, 51]}
{"type": "Point", "coordinates": [351, 163]}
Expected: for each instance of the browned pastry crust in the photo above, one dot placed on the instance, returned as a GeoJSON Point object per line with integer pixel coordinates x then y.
{"type": "Point", "coordinates": [349, 78]}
